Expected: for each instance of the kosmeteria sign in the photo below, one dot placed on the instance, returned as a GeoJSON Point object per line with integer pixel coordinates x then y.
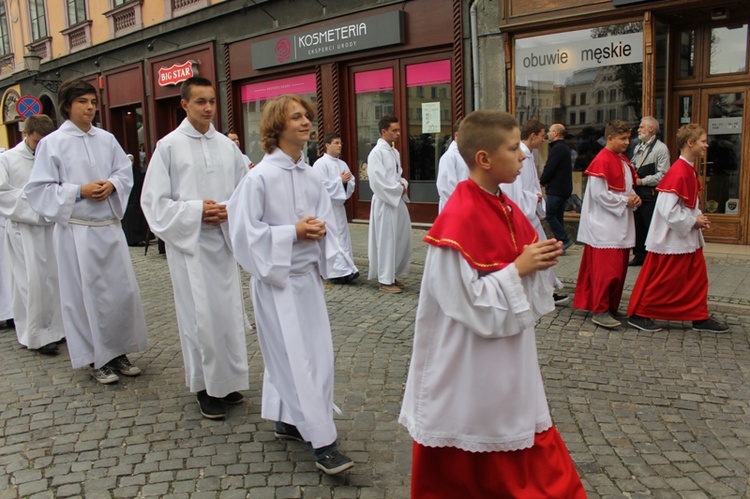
{"type": "Point", "coordinates": [365, 33]}
{"type": "Point", "coordinates": [582, 54]}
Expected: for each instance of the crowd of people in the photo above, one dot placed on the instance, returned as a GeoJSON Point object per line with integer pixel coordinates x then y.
{"type": "Point", "coordinates": [64, 192]}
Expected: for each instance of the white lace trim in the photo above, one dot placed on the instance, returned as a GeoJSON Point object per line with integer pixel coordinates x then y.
{"type": "Point", "coordinates": [464, 444]}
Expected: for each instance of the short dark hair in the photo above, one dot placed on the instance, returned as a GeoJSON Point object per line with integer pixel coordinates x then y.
{"type": "Point", "coordinates": [69, 91]}
{"type": "Point", "coordinates": [617, 127]}
{"type": "Point", "coordinates": [330, 138]}
{"type": "Point", "coordinates": [532, 127]}
{"type": "Point", "coordinates": [38, 123]}
{"type": "Point", "coordinates": [198, 81]}
{"type": "Point", "coordinates": [385, 122]}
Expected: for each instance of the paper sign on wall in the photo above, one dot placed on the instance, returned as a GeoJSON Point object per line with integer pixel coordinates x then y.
{"type": "Point", "coordinates": [430, 117]}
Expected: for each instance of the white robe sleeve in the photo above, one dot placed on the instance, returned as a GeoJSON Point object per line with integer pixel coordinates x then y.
{"type": "Point", "coordinates": [121, 177]}
{"type": "Point", "coordinates": [330, 247]}
{"type": "Point", "coordinates": [447, 177]}
{"type": "Point", "coordinates": [177, 222]}
{"type": "Point", "coordinates": [47, 195]}
{"type": "Point", "coordinates": [611, 201]}
{"type": "Point", "coordinates": [332, 180]}
{"type": "Point", "coordinates": [13, 202]}
{"type": "Point", "coordinates": [678, 217]}
{"type": "Point", "coordinates": [496, 305]}
{"type": "Point", "coordinates": [264, 251]}
{"type": "Point", "coordinates": [381, 181]}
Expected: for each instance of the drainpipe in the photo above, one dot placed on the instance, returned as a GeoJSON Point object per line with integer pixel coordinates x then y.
{"type": "Point", "coordinates": [474, 51]}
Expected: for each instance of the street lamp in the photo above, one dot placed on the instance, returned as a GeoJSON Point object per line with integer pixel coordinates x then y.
{"type": "Point", "coordinates": [33, 60]}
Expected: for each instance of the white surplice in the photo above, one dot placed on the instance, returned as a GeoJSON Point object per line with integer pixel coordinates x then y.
{"type": "Point", "coordinates": [474, 381]}
{"type": "Point", "coordinates": [290, 310]}
{"type": "Point", "coordinates": [525, 192]}
{"type": "Point", "coordinates": [6, 307]}
{"type": "Point", "coordinates": [452, 169]}
{"type": "Point", "coordinates": [330, 170]}
{"type": "Point", "coordinates": [30, 255]}
{"type": "Point", "coordinates": [101, 302]}
{"type": "Point", "coordinates": [186, 168]}
{"type": "Point", "coordinates": [389, 242]}
{"type": "Point", "coordinates": [606, 221]}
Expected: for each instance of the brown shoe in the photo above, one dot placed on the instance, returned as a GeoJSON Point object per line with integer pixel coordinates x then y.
{"type": "Point", "coordinates": [390, 288]}
{"type": "Point", "coordinates": [399, 284]}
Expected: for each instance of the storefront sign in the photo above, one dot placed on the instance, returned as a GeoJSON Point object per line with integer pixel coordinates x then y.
{"type": "Point", "coordinates": [380, 30]}
{"type": "Point", "coordinates": [582, 54]}
{"type": "Point", "coordinates": [176, 73]}
{"type": "Point", "coordinates": [725, 126]}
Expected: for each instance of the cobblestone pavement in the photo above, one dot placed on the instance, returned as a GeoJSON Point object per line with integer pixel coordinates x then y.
{"type": "Point", "coordinates": [664, 414]}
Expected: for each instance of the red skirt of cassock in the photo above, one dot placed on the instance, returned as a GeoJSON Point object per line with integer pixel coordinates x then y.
{"type": "Point", "coordinates": [601, 279]}
{"type": "Point", "coordinates": [543, 471]}
{"type": "Point", "coordinates": [671, 288]}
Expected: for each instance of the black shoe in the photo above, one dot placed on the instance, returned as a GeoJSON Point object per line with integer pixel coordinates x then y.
{"type": "Point", "coordinates": [233, 398]}
{"type": "Point", "coordinates": [643, 323]}
{"type": "Point", "coordinates": [567, 244]}
{"type": "Point", "coordinates": [211, 407]}
{"type": "Point", "coordinates": [49, 349]}
{"type": "Point", "coordinates": [123, 366]}
{"type": "Point", "coordinates": [710, 325]}
{"type": "Point", "coordinates": [637, 261]}
{"type": "Point", "coordinates": [337, 280]}
{"type": "Point", "coordinates": [286, 431]}
{"type": "Point", "coordinates": [10, 324]}
{"type": "Point", "coordinates": [334, 462]}
{"type": "Point", "coordinates": [559, 298]}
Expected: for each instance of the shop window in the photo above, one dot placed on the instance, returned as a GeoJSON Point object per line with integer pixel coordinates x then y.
{"type": "Point", "coordinates": [255, 96]}
{"type": "Point", "coordinates": [430, 135]}
{"type": "Point", "coordinates": [571, 65]}
{"type": "Point", "coordinates": [724, 156]}
{"type": "Point", "coordinates": [728, 52]}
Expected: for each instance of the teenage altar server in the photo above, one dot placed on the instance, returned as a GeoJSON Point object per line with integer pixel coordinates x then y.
{"type": "Point", "coordinates": [81, 181]}
{"type": "Point", "coordinates": [30, 256]}
{"type": "Point", "coordinates": [192, 173]}
{"type": "Point", "coordinates": [607, 227]}
{"type": "Point", "coordinates": [283, 232]}
{"type": "Point", "coordinates": [474, 401]}
{"type": "Point", "coordinates": [339, 183]}
{"type": "Point", "coordinates": [452, 169]}
{"type": "Point", "coordinates": [389, 241]}
{"type": "Point", "coordinates": [527, 193]}
{"type": "Point", "coordinates": [673, 283]}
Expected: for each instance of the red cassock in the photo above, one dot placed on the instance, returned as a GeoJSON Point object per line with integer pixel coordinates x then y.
{"type": "Point", "coordinates": [544, 471]}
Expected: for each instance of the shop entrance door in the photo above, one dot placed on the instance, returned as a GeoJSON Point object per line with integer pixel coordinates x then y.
{"type": "Point", "coordinates": [724, 171]}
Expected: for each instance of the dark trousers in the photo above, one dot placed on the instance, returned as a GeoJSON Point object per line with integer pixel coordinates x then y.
{"type": "Point", "coordinates": [556, 217]}
{"type": "Point", "coordinates": [642, 222]}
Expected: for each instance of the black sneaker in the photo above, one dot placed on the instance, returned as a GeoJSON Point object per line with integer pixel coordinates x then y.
{"type": "Point", "coordinates": [286, 431]}
{"type": "Point", "coordinates": [10, 324]}
{"type": "Point", "coordinates": [211, 407]}
{"type": "Point", "coordinates": [104, 374]}
{"type": "Point", "coordinates": [643, 323]}
{"type": "Point", "coordinates": [559, 298]}
{"type": "Point", "coordinates": [123, 366]}
{"type": "Point", "coordinates": [49, 349]}
{"type": "Point", "coordinates": [233, 398]}
{"type": "Point", "coordinates": [333, 463]}
{"type": "Point", "coordinates": [710, 325]}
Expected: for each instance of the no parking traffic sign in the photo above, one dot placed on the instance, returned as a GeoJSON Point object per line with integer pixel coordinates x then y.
{"type": "Point", "coordinates": [28, 105]}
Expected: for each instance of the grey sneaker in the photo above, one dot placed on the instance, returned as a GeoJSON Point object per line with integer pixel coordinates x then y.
{"type": "Point", "coordinates": [104, 374]}
{"type": "Point", "coordinates": [333, 463]}
{"type": "Point", "coordinates": [123, 366]}
{"type": "Point", "coordinates": [605, 319]}
{"type": "Point", "coordinates": [643, 323]}
{"type": "Point", "coordinates": [710, 325]}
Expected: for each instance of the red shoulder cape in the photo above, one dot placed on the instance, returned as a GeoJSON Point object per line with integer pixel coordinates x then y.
{"type": "Point", "coordinates": [489, 231]}
{"type": "Point", "coordinates": [608, 165]}
{"type": "Point", "coordinates": [681, 179]}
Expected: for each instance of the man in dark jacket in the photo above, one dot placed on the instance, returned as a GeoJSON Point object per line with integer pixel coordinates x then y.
{"type": "Point", "coordinates": [557, 179]}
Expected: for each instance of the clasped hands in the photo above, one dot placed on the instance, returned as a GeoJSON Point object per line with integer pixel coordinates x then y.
{"type": "Point", "coordinates": [634, 201]}
{"type": "Point", "coordinates": [538, 256]}
{"type": "Point", "coordinates": [213, 213]}
{"type": "Point", "coordinates": [97, 191]}
{"type": "Point", "coordinates": [310, 229]}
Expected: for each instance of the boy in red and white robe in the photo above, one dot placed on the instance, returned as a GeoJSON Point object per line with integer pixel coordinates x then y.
{"type": "Point", "coordinates": [673, 283]}
{"type": "Point", "coordinates": [474, 401]}
{"type": "Point", "coordinates": [607, 228]}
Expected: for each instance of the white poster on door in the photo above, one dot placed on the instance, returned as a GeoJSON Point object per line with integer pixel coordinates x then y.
{"type": "Point", "coordinates": [430, 117]}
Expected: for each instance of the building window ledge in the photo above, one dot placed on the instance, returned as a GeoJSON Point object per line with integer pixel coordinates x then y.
{"type": "Point", "coordinates": [79, 36]}
{"type": "Point", "coordinates": [176, 8]}
{"type": "Point", "coordinates": [42, 47]}
{"type": "Point", "coordinates": [125, 19]}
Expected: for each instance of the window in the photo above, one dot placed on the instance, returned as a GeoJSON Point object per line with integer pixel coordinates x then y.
{"type": "Point", "coordinates": [600, 116]}
{"type": "Point", "coordinates": [600, 97]}
{"type": "Point", "coordinates": [613, 95]}
{"type": "Point", "coordinates": [38, 19]}
{"type": "Point", "coordinates": [728, 50]}
{"type": "Point", "coordinates": [573, 99]}
{"type": "Point", "coordinates": [582, 117]}
{"type": "Point", "coordinates": [687, 53]}
{"type": "Point", "coordinates": [572, 118]}
{"type": "Point", "coordinates": [76, 12]}
{"type": "Point", "coordinates": [117, 3]}
{"type": "Point", "coordinates": [583, 99]}
{"type": "Point", "coordinates": [4, 36]}
{"type": "Point", "coordinates": [612, 114]}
